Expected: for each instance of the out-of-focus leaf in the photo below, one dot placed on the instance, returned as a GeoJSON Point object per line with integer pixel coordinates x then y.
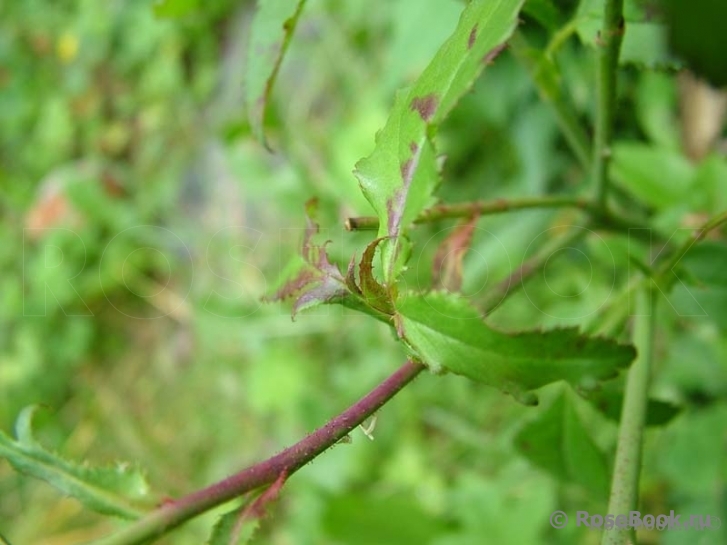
{"type": "Point", "coordinates": [709, 183]}
{"type": "Point", "coordinates": [558, 442]}
{"type": "Point", "coordinates": [270, 34]}
{"type": "Point", "coordinates": [661, 177]}
{"type": "Point", "coordinates": [544, 12]}
{"type": "Point", "coordinates": [645, 39]}
{"type": "Point", "coordinates": [656, 101]}
{"type": "Point", "coordinates": [502, 505]}
{"type": "Point", "coordinates": [704, 290]}
{"type": "Point", "coordinates": [691, 453]}
{"type": "Point", "coordinates": [696, 33]}
{"type": "Point", "coordinates": [239, 526]}
{"type": "Point", "coordinates": [173, 9]}
{"type": "Point", "coordinates": [226, 531]}
{"type": "Point", "coordinates": [448, 334]}
{"type": "Point", "coordinates": [609, 400]}
{"type": "Point", "coordinates": [447, 264]}
{"type": "Point", "coordinates": [707, 262]}
{"type": "Point", "coordinates": [357, 519]}
{"type": "Point", "coordinates": [399, 177]}
{"type": "Point", "coordinates": [106, 490]}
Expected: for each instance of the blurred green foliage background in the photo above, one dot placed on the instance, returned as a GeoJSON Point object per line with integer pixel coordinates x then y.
{"type": "Point", "coordinates": [141, 224]}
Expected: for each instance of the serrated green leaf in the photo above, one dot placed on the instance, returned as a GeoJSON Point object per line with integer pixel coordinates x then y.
{"type": "Point", "coordinates": [448, 334]}
{"type": "Point", "coordinates": [270, 34]}
{"type": "Point", "coordinates": [226, 532]}
{"type": "Point", "coordinates": [401, 174]}
{"type": "Point", "coordinates": [106, 490]}
{"type": "Point", "coordinates": [645, 38]}
{"type": "Point", "coordinates": [558, 442]}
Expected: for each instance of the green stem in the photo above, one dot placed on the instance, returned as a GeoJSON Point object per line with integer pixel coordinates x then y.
{"type": "Point", "coordinates": [610, 318]}
{"type": "Point", "coordinates": [560, 37]}
{"type": "Point", "coordinates": [627, 466]}
{"type": "Point", "coordinates": [609, 42]}
{"type": "Point", "coordinates": [545, 75]}
{"type": "Point", "coordinates": [599, 219]}
{"type": "Point", "coordinates": [173, 513]}
{"type": "Point", "coordinates": [499, 206]}
{"type": "Point", "coordinates": [481, 208]}
{"type": "Point", "coordinates": [711, 224]}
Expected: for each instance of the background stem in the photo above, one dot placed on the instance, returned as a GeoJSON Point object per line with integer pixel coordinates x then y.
{"type": "Point", "coordinates": [627, 466]}
{"type": "Point", "coordinates": [544, 75]}
{"type": "Point", "coordinates": [609, 41]}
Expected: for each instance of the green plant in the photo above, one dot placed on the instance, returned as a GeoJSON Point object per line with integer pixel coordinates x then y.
{"type": "Point", "coordinates": [632, 197]}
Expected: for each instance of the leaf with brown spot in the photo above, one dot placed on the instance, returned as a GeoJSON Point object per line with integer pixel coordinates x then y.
{"type": "Point", "coordinates": [401, 175]}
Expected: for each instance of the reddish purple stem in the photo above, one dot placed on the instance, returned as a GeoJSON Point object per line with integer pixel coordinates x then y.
{"type": "Point", "coordinates": [175, 512]}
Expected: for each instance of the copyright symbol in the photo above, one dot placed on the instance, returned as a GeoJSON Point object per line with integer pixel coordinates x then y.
{"type": "Point", "coordinates": [558, 519]}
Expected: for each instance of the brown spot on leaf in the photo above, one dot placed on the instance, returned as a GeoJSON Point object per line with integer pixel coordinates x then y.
{"type": "Point", "coordinates": [395, 205]}
{"type": "Point", "coordinates": [407, 170]}
{"type": "Point", "coordinates": [391, 213]}
{"type": "Point", "coordinates": [493, 53]}
{"type": "Point", "coordinates": [426, 105]}
{"type": "Point", "coordinates": [472, 38]}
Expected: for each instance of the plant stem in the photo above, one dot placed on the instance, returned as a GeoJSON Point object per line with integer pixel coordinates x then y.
{"type": "Point", "coordinates": [600, 219]}
{"type": "Point", "coordinates": [364, 223]}
{"type": "Point", "coordinates": [468, 209]}
{"type": "Point", "coordinates": [711, 224]}
{"type": "Point", "coordinates": [544, 74]}
{"type": "Point", "coordinates": [499, 206]}
{"type": "Point", "coordinates": [609, 42]}
{"type": "Point", "coordinates": [173, 513]}
{"type": "Point", "coordinates": [560, 37]}
{"type": "Point", "coordinates": [627, 466]}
